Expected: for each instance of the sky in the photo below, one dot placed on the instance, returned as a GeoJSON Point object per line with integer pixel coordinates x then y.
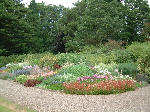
{"type": "Point", "coordinates": [65, 3]}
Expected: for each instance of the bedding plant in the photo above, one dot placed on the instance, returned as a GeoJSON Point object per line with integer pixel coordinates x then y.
{"type": "Point", "coordinates": [82, 73]}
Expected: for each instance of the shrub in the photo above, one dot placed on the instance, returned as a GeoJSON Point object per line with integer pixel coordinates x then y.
{"type": "Point", "coordinates": [42, 60]}
{"type": "Point", "coordinates": [127, 69]}
{"type": "Point", "coordinates": [31, 83]}
{"type": "Point", "coordinates": [21, 79]}
{"type": "Point", "coordinates": [48, 61]}
{"type": "Point", "coordinates": [11, 59]}
{"type": "Point", "coordinates": [144, 64]}
{"type": "Point", "coordinates": [95, 59]}
{"type": "Point", "coordinates": [70, 58]}
{"type": "Point", "coordinates": [92, 49]}
{"type": "Point", "coordinates": [112, 44]}
{"type": "Point", "coordinates": [139, 49]}
{"type": "Point", "coordinates": [105, 68]}
{"type": "Point", "coordinates": [122, 56]}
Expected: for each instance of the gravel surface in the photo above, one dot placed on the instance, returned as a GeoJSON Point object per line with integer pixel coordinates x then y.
{"type": "Point", "coordinates": [50, 101]}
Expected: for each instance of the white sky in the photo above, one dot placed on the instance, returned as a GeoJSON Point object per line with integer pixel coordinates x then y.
{"type": "Point", "coordinates": [66, 3]}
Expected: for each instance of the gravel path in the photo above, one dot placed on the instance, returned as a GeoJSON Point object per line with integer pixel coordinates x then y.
{"type": "Point", "coordinates": [49, 101]}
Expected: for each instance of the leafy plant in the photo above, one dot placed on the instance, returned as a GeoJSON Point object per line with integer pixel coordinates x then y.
{"type": "Point", "coordinates": [123, 56]}
{"type": "Point", "coordinates": [6, 76]}
{"type": "Point", "coordinates": [139, 49]}
{"type": "Point", "coordinates": [31, 83]}
{"type": "Point", "coordinates": [127, 69]}
{"type": "Point", "coordinates": [72, 72]}
{"type": "Point", "coordinates": [144, 64]}
{"type": "Point", "coordinates": [21, 79]}
{"type": "Point", "coordinates": [103, 87]}
{"type": "Point", "coordinates": [70, 58]}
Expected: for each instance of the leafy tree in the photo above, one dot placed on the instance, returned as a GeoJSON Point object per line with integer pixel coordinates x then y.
{"type": "Point", "coordinates": [14, 30]}
{"type": "Point", "coordinates": [92, 22]}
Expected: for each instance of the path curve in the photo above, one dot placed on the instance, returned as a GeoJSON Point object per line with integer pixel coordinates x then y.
{"type": "Point", "coordinates": [50, 101]}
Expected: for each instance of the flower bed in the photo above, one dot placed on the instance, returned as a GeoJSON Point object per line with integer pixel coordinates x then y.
{"type": "Point", "coordinates": [102, 87]}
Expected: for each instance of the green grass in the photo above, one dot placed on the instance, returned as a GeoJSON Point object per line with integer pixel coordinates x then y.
{"type": "Point", "coordinates": [8, 106]}
{"type": "Point", "coordinates": [4, 109]}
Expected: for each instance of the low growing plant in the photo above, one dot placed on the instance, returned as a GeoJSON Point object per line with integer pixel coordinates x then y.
{"type": "Point", "coordinates": [72, 72]}
{"type": "Point", "coordinates": [102, 87]}
{"type": "Point", "coordinates": [21, 79]}
{"type": "Point", "coordinates": [31, 83]}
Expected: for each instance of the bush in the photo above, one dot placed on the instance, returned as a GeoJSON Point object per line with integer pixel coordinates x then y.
{"type": "Point", "coordinates": [102, 48]}
{"type": "Point", "coordinates": [112, 44]}
{"type": "Point", "coordinates": [105, 68]}
{"type": "Point", "coordinates": [95, 59]}
{"type": "Point", "coordinates": [11, 59]}
{"type": "Point", "coordinates": [127, 69]}
{"type": "Point", "coordinates": [144, 64]}
{"type": "Point", "coordinates": [139, 49]}
{"type": "Point", "coordinates": [48, 61]}
{"type": "Point", "coordinates": [70, 58]}
{"type": "Point", "coordinates": [43, 60]}
{"type": "Point", "coordinates": [141, 52]}
{"type": "Point", "coordinates": [92, 49]}
{"type": "Point", "coordinates": [21, 79]}
{"type": "Point", "coordinates": [123, 56]}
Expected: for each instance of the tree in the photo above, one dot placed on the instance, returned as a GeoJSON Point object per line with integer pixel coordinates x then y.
{"type": "Point", "coordinates": [44, 19]}
{"type": "Point", "coordinates": [15, 32]}
{"type": "Point", "coordinates": [92, 22]}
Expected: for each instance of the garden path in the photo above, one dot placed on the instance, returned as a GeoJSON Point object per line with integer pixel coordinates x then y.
{"type": "Point", "coordinates": [49, 101]}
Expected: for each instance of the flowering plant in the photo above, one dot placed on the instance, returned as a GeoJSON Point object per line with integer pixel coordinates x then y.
{"type": "Point", "coordinates": [103, 87]}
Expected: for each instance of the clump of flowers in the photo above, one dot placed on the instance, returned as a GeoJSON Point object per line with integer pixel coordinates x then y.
{"type": "Point", "coordinates": [102, 87]}
{"type": "Point", "coordinates": [67, 65]}
{"type": "Point", "coordinates": [100, 84]}
{"type": "Point", "coordinates": [50, 73]}
{"type": "Point", "coordinates": [94, 77]}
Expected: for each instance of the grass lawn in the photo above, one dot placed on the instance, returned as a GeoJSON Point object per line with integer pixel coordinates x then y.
{"type": "Point", "coordinates": [7, 106]}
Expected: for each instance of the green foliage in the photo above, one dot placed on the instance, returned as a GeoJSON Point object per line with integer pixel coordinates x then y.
{"type": "Point", "coordinates": [127, 69]}
{"type": "Point", "coordinates": [11, 59]}
{"type": "Point", "coordinates": [95, 59]}
{"type": "Point", "coordinates": [144, 64]}
{"type": "Point", "coordinates": [21, 79]}
{"type": "Point", "coordinates": [123, 56]}
{"type": "Point", "coordinates": [92, 22]}
{"type": "Point", "coordinates": [71, 73]}
{"type": "Point", "coordinates": [40, 78]}
{"type": "Point", "coordinates": [43, 60]}
{"type": "Point", "coordinates": [6, 76]}
{"type": "Point", "coordinates": [48, 61]}
{"type": "Point", "coordinates": [139, 49]}
{"type": "Point", "coordinates": [53, 87]}
{"type": "Point", "coordinates": [71, 58]}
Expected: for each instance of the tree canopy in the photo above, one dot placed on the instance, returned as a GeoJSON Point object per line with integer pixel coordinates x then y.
{"type": "Point", "coordinates": [40, 27]}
